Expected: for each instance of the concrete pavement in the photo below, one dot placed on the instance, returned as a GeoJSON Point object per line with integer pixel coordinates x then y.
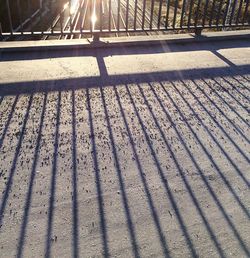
{"type": "Point", "coordinates": [126, 152]}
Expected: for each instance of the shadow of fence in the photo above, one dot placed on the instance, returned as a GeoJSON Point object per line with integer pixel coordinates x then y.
{"type": "Point", "coordinates": [186, 130]}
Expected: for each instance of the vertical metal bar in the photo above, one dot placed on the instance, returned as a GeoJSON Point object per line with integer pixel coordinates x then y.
{"type": "Point", "coordinates": [175, 12]}
{"type": "Point", "coordinates": [118, 14]}
{"type": "Point", "coordinates": [152, 13]}
{"type": "Point", "coordinates": [183, 13]}
{"type": "Point", "coordinates": [100, 15]}
{"type": "Point", "coordinates": [9, 16]}
{"type": "Point", "coordinates": [29, 8]}
{"type": "Point", "coordinates": [226, 12]}
{"type": "Point", "coordinates": [91, 14]}
{"type": "Point", "coordinates": [127, 10]}
{"type": "Point", "coordinates": [197, 13]}
{"type": "Point", "coordinates": [40, 12]}
{"type": "Point", "coordinates": [212, 14]}
{"type": "Point", "coordinates": [30, 16]}
{"type": "Point", "coordinates": [113, 22]}
{"type": "Point", "coordinates": [167, 14]}
{"type": "Point", "coordinates": [205, 13]}
{"type": "Point", "coordinates": [245, 12]}
{"type": "Point", "coordinates": [20, 16]}
{"type": "Point", "coordinates": [110, 15]}
{"type": "Point", "coordinates": [61, 24]}
{"type": "Point", "coordinates": [135, 18]}
{"type": "Point", "coordinates": [1, 31]}
{"type": "Point", "coordinates": [71, 10]}
{"type": "Point", "coordinates": [219, 12]}
{"type": "Point", "coordinates": [81, 17]}
{"type": "Point", "coordinates": [232, 12]}
{"type": "Point", "coordinates": [190, 12]}
{"type": "Point", "coordinates": [51, 14]}
{"type": "Point", "coordinates": [159, 14]}
{"type": "Point", "coordinates": [143, 14]}
{"type": "Point", "coordinates": [239, 11]}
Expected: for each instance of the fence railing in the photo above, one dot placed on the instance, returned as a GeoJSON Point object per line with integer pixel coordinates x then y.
{"type": "Point", "coordinates": [77, 18]}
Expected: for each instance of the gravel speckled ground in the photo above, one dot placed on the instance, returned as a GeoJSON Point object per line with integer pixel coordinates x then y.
{"type": "Point", "coordinates": [147, 164]}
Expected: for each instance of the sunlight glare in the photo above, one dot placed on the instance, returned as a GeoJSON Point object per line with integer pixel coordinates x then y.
{"type": "Point", "coordinates": [93, 19]}
{"type": "Point", "coordinates": [74, 4]}
{"type": "Point", "coordinates": [65, 6]}
{"type": "Point", "coordinates": [72, 9]}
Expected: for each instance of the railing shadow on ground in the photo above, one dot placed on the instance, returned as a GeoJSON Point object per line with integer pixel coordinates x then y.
{"type": "Point", "coordinates": [135, 81]}
{"type": "Point", "coordinates": [233, 87]}
{"type": "Point", "coordinates": [31, 182]}
{"type": "Point", "coordinates": [230, 94]}
{"type": "Point", "coordinates": [103, 224]}
{"type": "Point", "coordinates": [195, 162]}
{"type": "Point", "coordinates": [13, 88]}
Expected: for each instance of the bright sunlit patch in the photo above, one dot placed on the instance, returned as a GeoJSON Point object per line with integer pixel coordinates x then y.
{"type": "Point", "coordinates": [73, 6]}
{"type": "Point", "coordinates": [93, 19]}
{"type": "Point", "coordinates": [72, 9]}
{"type": "Point", "coordinates": [65, 6]}
{"type": "Point", "coordinates": [93, 16]}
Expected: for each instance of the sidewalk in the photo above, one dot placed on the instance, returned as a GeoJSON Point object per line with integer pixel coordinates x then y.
{"type": "Point", "coordinates": [123, 152]}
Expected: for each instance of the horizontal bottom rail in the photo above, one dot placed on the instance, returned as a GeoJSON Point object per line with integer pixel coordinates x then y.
{"type": "Point", "coordinates": [87, 32]}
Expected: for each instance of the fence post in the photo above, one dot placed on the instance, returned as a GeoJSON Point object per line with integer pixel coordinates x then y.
{"type": "Point", "coordinates": [96, 36]}
{"type": "Point", "coordinates": [198, 31]}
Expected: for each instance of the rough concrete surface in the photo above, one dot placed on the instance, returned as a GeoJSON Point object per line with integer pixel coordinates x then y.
{"type": "Point", "coordinates": [127, 152]}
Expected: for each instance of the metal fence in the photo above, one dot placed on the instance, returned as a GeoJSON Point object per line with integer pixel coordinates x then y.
{"type": "Point", "coordinates": [79, 18]}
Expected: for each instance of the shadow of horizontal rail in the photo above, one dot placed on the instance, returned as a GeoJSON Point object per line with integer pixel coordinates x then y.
{"type": "Point", "coordinates": [27, 87]}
